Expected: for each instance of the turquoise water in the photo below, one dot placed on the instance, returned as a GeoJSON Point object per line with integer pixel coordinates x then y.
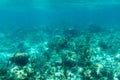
{"type": "Point", "coordinates": [53, 12]}
{"type": "Point", "coordinates": [59, 40]}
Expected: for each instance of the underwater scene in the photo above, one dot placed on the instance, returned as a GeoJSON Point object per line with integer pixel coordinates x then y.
{"type": "Point", "coordinates": [59, 39]}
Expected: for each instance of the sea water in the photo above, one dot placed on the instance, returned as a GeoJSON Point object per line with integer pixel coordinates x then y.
{"type": "Point", "coordinates": [59, 39]}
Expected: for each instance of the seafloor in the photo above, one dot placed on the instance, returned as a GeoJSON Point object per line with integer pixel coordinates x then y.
{"type": "Point", "coordinates": [60, 53]}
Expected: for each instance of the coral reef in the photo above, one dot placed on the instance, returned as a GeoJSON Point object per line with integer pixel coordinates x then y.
{"type": "Point", "coordinates": [64, 55]}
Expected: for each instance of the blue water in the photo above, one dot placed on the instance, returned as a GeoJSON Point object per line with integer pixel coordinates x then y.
{"type": "Point", "coordinates": [21, 13]}
{"type": "Point", "coordinates": [33, 27]}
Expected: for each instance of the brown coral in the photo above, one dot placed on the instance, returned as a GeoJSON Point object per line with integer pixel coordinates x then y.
{"type": "Point", "coordinates": [20, 59]}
